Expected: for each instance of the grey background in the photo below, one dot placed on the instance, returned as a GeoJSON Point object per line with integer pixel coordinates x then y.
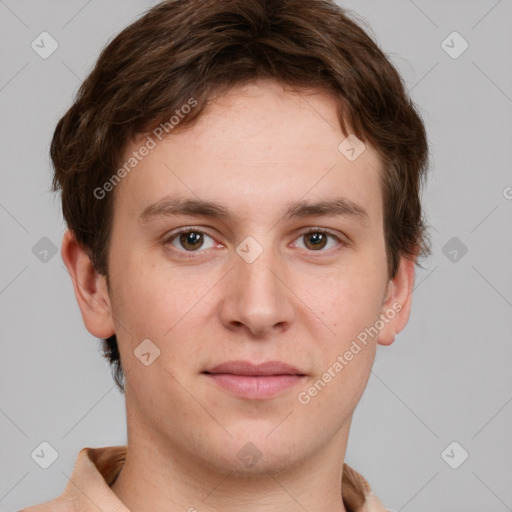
{"type": "Point", "coordinates": [446, 378]}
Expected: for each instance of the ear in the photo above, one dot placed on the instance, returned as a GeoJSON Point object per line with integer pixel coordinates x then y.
{"type": "Point", "coordinates": [397, 303]}
{"type": "Point", "coordinates": [90, 288]}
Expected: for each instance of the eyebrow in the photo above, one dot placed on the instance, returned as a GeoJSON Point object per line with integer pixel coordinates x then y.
{"type": "Point", "coordinates": [169, 206]}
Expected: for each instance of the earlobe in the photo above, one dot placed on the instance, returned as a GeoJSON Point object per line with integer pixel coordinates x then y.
{"type": "Point", "coordinates": [90, 288]}
{"type": "Point", "coordinates": [397, 304]}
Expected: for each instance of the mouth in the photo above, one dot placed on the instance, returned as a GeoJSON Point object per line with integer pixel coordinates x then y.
{"type": "Point", "coordinates": [255, 381]}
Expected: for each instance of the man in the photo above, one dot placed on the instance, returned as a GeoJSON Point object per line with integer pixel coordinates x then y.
{"type": "Point", "coordinates": [241, 185]}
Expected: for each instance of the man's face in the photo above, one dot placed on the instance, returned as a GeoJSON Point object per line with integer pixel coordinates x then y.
{"type": "Point", "coordinates": [256, 285]}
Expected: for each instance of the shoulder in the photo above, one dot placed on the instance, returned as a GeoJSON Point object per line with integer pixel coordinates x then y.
{"type": "Point", "coordinates": [60, 504]}
{"type": "Point", "coordinates": [357, 493]}
{"type": "Point", "coordinates": [94, 470]}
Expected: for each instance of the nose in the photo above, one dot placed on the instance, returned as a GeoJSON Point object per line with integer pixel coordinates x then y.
{"type": "Point", "coordinates": [256, 297]}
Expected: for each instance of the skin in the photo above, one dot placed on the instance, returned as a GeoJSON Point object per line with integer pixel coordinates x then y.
{"type": "Point", "coordinates": [255, 149]}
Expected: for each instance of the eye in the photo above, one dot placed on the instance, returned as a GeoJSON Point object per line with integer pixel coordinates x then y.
{"type": "Point", "coordinates": [191, 240]}
{"type": "Point", "coordinates": [194, 240]}
{"type": "Point", "coordinates": [317, 240]}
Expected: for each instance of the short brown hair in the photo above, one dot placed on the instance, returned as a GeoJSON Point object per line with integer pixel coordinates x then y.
{"type": "Point", "coordinates": [182, 49]}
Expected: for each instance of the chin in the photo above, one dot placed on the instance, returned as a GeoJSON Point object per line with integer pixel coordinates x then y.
{"type": "Point", "coordinates": [254, 455]}
{"type": "Point", "coordinates": [259, 463]}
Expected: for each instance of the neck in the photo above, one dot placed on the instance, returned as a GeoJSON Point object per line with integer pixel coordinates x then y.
{"type": "Point", "coordinates": [159, 476]}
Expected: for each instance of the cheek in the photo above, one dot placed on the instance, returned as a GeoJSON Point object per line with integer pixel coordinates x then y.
{"type": "Point", "coordinates": [167, 306]}
{"type": "Point", "coordinates": [151, 304]}
{"type": "Point", "coordinates": [346, 353]}
{"type": "Point", "coordinates": [350, 301]}
{"type": "Point", "coordinates": [152, 298]}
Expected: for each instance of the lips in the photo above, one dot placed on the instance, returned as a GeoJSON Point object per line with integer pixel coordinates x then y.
{"type": "Point", "coordinates": [250, 369]}
{"type": "Point", "coordinates": [255, 381]}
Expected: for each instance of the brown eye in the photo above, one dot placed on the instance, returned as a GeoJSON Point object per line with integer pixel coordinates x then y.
{"type": "Point", "coordinates": [319, 241]}
{"type": "Point", "coordinates": [315, 240]}
{"type": "Point", "coordinates": [191, 240]}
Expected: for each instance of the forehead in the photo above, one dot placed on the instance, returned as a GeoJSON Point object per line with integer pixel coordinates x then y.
{"type": "Point", "coordinates": [255, 147]}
